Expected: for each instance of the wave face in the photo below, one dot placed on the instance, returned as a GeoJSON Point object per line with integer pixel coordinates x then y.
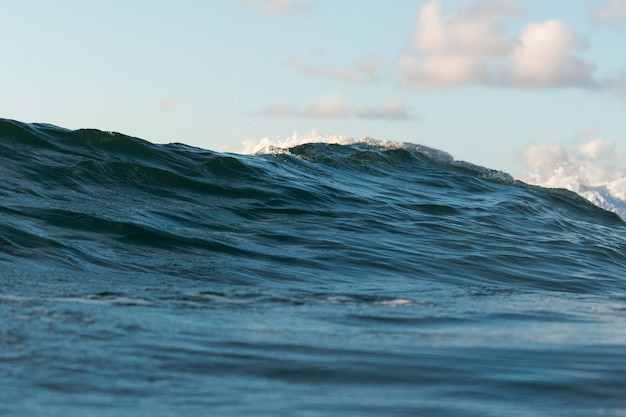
{"type": "Point", "coordinates": [367, 279]}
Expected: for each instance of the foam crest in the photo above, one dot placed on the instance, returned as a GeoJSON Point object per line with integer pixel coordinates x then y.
{"type": "Point", "coordinates": [267, 145]}
{"type": "Point", "coordinates": [596, 170]}
{"type": "Point", "coordinates": [431, 153]}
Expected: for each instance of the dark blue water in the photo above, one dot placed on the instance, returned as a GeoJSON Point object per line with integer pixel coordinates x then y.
{"type": "Point", "coordinates": [323, 280]}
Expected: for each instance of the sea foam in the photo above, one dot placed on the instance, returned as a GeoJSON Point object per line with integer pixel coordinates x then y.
{"type": "Point", "coordinates": [595, 170]}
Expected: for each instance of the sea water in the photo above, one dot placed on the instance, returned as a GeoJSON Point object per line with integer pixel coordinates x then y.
{"type": "Point", "coordinates": [369, 279]}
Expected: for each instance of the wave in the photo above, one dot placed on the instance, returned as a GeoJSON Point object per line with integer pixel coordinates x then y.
{"type": "Point", "coordinates": [106, 201]}
{"type": "Point", "coordinates": [173, 279]}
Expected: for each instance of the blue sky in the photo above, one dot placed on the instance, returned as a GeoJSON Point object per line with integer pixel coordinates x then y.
{"type": "Point", "coordinates": [491, 82]}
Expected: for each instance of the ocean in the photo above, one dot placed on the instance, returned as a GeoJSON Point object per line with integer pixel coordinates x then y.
{"type": "Point", "coordinates": [370, 279]}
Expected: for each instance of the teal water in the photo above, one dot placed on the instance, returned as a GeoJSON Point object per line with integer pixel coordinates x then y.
{"type": "Point", "coordinates": [373, 279]}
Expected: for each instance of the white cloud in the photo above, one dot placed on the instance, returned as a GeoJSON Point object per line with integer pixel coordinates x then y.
{"type": "Point", "coordinates": [278, 7]}
{"type": "Point", "coordinates": [337, 106]}
{"type": "Point", "coordinates": [476, 30]}
{"type": "Point", "coordinates": [473, 45]}
{"type": "Point", "coordinates": [441, 71]}
{"type": "Point", "coordinates": [611, 12]}
{"type": "Point", "coordinates": [543, 57]}
{"type": "Point", "coordinates": [446, 51]}
{"type": "Point", "coordinates": [470, 46]}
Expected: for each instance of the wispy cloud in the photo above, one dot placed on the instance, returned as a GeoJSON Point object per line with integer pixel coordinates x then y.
{"type": "Point", "coordinates": [169, 104]}
{"type": "Point", "coordinates": [390, 110]}
{"type": "Point", "coordinates": [278, 7]}
{"type": "Point", "coordinates": [331, 107]}
{"type": "Point", "coordinates": [365, 70]}
{"type": "Point", "coordinates": [611, 12]}
{"type": "Point", "coordinates": [615, 83]}
{"type": "Point", "coordinates": [337, 106]}
{"type": "Point", "coordinates": [279, 111]}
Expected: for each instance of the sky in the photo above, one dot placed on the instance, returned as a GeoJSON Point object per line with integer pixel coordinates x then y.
{"type": "Point", "coordinates": [518, 86]}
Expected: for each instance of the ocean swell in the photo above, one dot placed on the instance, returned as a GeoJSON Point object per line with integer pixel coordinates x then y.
{"type": "Point", "coordinates": [362, 279]}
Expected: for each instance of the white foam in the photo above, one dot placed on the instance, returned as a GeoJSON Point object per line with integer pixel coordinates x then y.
{"type": "Point", "coordinates": [396, 302]}
{"type": "Point", "coordinates": [596, 170]}
{"type": "Point", "coordinates": [90, 299]}
{"type": "Point", "coordinates": [432, 153]}
{"type": "Point", "coordinates": [267, 145]}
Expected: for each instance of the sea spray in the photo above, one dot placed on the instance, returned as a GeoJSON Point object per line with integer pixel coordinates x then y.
{"type": "Point", "coordinates": [595, 170]}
